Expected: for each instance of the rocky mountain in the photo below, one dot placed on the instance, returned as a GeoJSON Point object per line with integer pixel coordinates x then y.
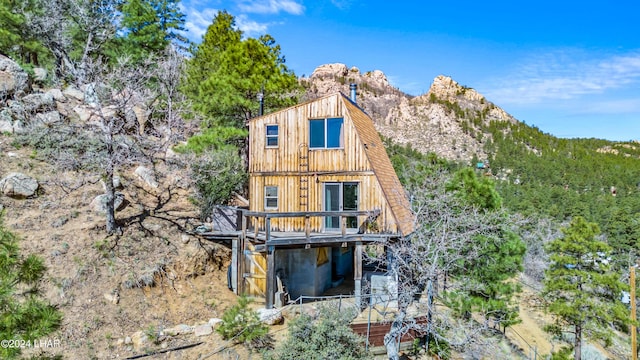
{"type": "Point", "coordinates": [446, 120]}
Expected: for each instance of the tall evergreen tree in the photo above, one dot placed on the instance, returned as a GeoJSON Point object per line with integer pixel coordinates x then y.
{"type": "Point", "coordinates": [492, 258]}
{"type": "Point", "coordinates": [579, 286]}
{"type": "Point", "coordinates": [227, 72]}
{"type": "Point", "coordinates": [149, 26]}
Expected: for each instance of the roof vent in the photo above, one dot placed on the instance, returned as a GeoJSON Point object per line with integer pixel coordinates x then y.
{"type": "Point", "coordinates": [353, 88]}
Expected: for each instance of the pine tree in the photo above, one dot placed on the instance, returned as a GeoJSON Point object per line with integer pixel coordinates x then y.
{"type": "Point", "coordinates": [579, 286]}
{"type": "Point", "coordinates": [23, 314]}
{"type": "Point", "coordinates": [149, 26]}
{"type": "Point", "coordinates": [226, 74]}
{"type": "Point", "coordinates": [16, 39]}
{"type": "Point", "coordinates": [492, 258]}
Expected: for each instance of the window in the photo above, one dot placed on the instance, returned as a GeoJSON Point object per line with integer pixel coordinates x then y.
{"type": "Point", "coordinates": [326, 133]}
{"type": "Point", "coordinates": [342, 196]}
{"type": "Point", "coordinates": [270, 197]}
{"type": "Point", "coordinates": [272, 136]}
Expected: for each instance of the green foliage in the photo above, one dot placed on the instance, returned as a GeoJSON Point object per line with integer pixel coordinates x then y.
{"type": "Point", "coordinates": [579, 285]}
{"type": "Point", "coordinates": [213, 139]}
{"type": "Point", "coordinates": [562, 354]}
{"type": "Point", "coordinates": [475, 190]}
{"type": "Point", "coordinates": [241, 324]}
{"type": "Point", "coordinates": [217, 175]}
{"type": "Point", "coordinates": [226, 72]}
{"type": "Point", "coordinates": [485, 279]}
{"type": "Point", "coordinates": [413, 167]}
{"type": "Point", "coordinates": [439, 348]}
{"type": "Point", "coordinates": [16, 39]}
{"type": "Point", "coordinates": [23, 314]}
{"type": "Point", "coordinates": [149, 26]}
{"type": "Point", "coordinates": [328, 337]}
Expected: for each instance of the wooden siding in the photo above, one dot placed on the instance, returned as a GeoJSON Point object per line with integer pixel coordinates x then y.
{"type": "Point", "coordinates": [370, 197]}
{"type": "Point", "coordinates": [363, 159]}
{"type": "Point", "coordinates": [293, 139]}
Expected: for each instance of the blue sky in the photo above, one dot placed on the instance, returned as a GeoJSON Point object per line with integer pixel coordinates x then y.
{"type": "Point", "coordinates": [571, 68]}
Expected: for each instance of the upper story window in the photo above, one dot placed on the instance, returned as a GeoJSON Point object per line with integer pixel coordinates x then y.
{"type": "Point", "coordinates": [270, 197]}
{"type": "Point", "coordinates": [272, 136]}
{"type": "Point", "coordinates": [326, 133]}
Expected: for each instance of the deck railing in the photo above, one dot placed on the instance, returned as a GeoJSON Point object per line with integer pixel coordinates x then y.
{"type": "Point", "coordinates": [261, 221]}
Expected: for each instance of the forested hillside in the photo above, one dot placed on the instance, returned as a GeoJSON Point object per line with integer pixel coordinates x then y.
{"type": "Point", "coordinates": [118, 138]}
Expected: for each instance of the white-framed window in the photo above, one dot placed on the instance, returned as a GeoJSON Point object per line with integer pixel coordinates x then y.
{"type": "Point", "coordinates": [272, 136]}
{"type": "Point", "coordinates": [326, 133]}
{"type": "Point", "coordinates": [270, 197]}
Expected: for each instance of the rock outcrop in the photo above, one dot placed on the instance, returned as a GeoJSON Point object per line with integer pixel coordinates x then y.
{"type": "Point", "coordinates": [19, 186]}
{"type": "Point", "coordinates": [13, 79]}
{"type": "Point", "coordinates": [438, 121]}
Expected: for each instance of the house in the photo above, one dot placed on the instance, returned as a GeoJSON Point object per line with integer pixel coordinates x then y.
{"type": "Point", "coordinates": [321, 187]}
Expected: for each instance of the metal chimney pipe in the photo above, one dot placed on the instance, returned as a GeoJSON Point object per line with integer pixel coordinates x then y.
{"type": "Point", "coordinates": [261, 99]}
{"type": "Point", "coordinates": [353, 88]}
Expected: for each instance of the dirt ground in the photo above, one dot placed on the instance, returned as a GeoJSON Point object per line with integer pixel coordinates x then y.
{"type": "Point", "coordinates": [87, 268]}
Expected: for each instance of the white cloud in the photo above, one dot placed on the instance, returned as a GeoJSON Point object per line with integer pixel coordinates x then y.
{"type": "Point", "coordinates": [250, 27]}
{"type": "Point", "coordinates": [565, 75]}
{"type": "Point", "coordinates": [271, 6]}
{"type": "Point", "coordinates": [198, 20]}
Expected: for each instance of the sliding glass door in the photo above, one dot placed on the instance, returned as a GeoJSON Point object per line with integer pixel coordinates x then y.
{"type": "Point", "coordinates": [340, 196]}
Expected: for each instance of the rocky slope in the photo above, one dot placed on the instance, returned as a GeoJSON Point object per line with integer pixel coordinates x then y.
{"type": "Point", "coordinates": [155, 285]}
{"type": "Point", "coordinates": [440, 121]}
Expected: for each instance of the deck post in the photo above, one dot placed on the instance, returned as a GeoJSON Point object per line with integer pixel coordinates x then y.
{"type": "Point", "coordinates": [271, 276]}
{"type": "Point", "coordinates": [343, 225]}
{"type": "Point", "coordinates": [271, 264]}
{"type": "Point", "coordinates": [241, 257]}
{"type": "Point", "coordinates": [357, 274]}
{"type": "Point", "coordinates": [307, 227]}
{"type": "Point", "coordinates": [234, 264]}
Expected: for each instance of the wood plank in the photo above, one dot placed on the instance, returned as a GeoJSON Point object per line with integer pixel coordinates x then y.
{"type": "Point", "coordinates": [271, 277]}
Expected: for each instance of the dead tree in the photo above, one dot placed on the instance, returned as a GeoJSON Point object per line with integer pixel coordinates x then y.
{"type": "Point", "coordinates": [443, 243]}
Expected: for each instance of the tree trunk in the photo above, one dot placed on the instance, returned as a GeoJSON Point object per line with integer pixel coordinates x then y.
{"type": "Point", "coordinates": [392, 339]}
{"type": "Point", "coordinates": [108, 182]}
{"type": "Point", "coordinates": [577, 347]}
{"type": "Point", "coordinates": [111, 196]}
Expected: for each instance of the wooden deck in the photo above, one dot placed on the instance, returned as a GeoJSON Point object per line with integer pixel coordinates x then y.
{"type": "Point", "coordinates": [258, 236]}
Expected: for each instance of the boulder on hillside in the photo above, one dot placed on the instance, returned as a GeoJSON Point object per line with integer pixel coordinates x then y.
{"type": "Point", "coordinates": [337, 69]}
{"type": "Point", "coordinates": [73, 93]}
{"type": "Point", "coordinates": [39, 74]}
{"type": "Point", "coordinates": [99, 203]}
{"type": "Point", "coordinates": [270, 316]}
{"type": "Point", "coordinates": [38, 102]}
{"type": "Point", "coordinates": [49, 118]}
{"type": "Point", "coordinates": [6, 122]}
{"type": "Point", "coordinates": [57, 95]}
{"type": "Point", "coordinates": [13, 79]}
{"type": "Point", "coordinates": [19, 186]}
{"type": "Point", "coordinates": [147, 175]}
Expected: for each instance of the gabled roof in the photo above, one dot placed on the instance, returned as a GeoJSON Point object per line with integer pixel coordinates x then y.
{"type": "Point", "coordinates": [387, 177]}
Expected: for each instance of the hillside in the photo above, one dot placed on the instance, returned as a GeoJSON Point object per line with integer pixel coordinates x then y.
{"type": "Point", "coordinates": [139, 290]}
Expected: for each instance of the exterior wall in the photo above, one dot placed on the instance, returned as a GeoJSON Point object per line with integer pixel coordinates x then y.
{"type": "Point", "coordinates": [284, 165]}
{"type": "Point", "coordinates": [294, 136]}
{"type": "Point", "coordinates": [370, 197]}
{"type": "Point", "coordinates": [302, 274]}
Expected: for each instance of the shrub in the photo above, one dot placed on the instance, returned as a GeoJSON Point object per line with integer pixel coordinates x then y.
{"type": "Point", "coordinates": [23, 314]}
{"type": "Point", "coordinates": [241, 324]}
{"type": "Point", "coordinates": [217, 175]}
{"type": "Point", "coordinates": [328, 337]}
